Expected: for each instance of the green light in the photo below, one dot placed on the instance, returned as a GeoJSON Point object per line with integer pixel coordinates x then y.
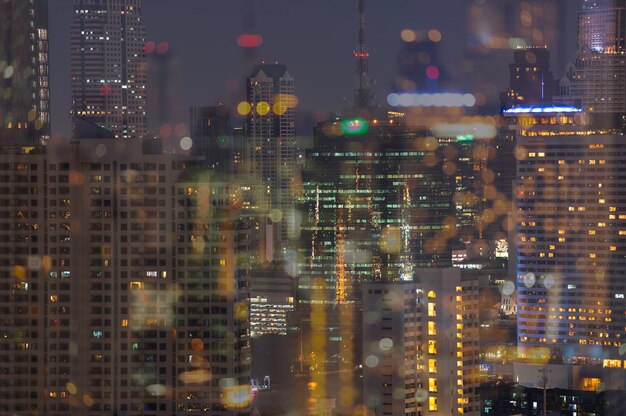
{"type": "Point", "coordinates": [465, 138]}
{"type": "Point", "coordinates": [354, 126]}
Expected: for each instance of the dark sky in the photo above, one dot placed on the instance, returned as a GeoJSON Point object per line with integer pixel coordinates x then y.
{"type": "Point", "coordinates": [314, 38]}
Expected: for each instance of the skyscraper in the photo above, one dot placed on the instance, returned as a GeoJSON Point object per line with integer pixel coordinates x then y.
{"type": "Point", "coordinates": [571, 223]}
{"type": "Point", "coordinates": [24, 82]}
{"type": "Point", "coordinates": [108, 66]}
{"type": "Point", "coordinates": [213, 139]}
{"type": "Point", "coordinates": [271, 147]}
{"type": "Point", "coordinates": [596, 79]}
{"type": "Point", "coordinates": [530, 78]}
{"type": "Point", "coordinates": [375, 205]}
{"type": "Point", "coordinates": [420, 344]}
{"type": "Point", "coordinates": [122, 291]}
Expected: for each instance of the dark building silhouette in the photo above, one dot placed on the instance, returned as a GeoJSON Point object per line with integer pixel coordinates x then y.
{"type": "Point", "coordinates": [531, 81]}
{"type": "Point", "coordinates": [24, 73]}
{"type": "Point", "coordinates": [214, 139]}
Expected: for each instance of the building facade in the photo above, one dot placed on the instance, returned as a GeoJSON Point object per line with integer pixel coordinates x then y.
{"type": "Point", "coordinates": [421, 345]}
{"type": "Point", "coordinates": [271, 144]}
{"type": "Point", "coordinates": [596, 79]}
{"type": "Point", "coordinates": [25, 111]}
{"type": "Point", "coordinates": [570, 227]}
{"type": "Point", "coordinates": [108, 66]}
{"type": "Point", "coordinates": [119, 275]}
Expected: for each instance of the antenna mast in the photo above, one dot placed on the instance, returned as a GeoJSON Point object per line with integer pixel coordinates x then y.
{"type": "Point", "coordinates": [363, 91]}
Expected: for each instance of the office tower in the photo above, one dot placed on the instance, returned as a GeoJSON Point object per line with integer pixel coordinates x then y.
{"type": "Point", "coordinates": [271, 144]}
{"type": "Point", "coordinates": [420, 67]}
{"type": "Point", "coordinates": [25, 83]}
{"type": "Point", "coordinates": [530, 78]}
{"type": "Point", "coordinates": [118, 271]}
{"type": "Point", "coordinates": [108, 66]}
{"type": "Point", "coordinates": [570, 228]}
{"type": "Point", "coordinates": [420, 345]}
{"type": "Point", "coordinates": [596, 79]}
{"type": "Point", "coordinates": [271, 300]}
{"type": "Point", "coordinates": [212, 134]}
{"type": "Point", "coordinates": [375, 205]}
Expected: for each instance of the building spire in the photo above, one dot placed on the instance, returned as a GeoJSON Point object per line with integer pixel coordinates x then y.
{"type": "Point", "coordinates": [363, 85]}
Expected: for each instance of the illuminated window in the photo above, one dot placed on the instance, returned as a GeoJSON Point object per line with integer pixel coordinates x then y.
{"type": "Point", "coordinates": [612, 363]}
{"type": "Point", "coordinates": [432, 366]}
{"type": "Point", "coordinates": [431, 309]}
{"type": "Point", "coordinates": [591, 384]}
{"type": "Point", "coordinates": [136, 285]}
{"type": "Point", "coordinates": [432, 328]}
{"type": "Point", "coordinates": [432, 385]}
{"type": "Point", "coordinates": [432, 295]}
{"type": "Point", "coordinates": [432, 347]}
{"type": "Point", "coordinates": [124, 322]}
{"type": "Point", "coordinates": [432, 404]}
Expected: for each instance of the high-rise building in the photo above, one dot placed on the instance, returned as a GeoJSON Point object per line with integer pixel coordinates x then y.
{"type": "Point", "coordinates": [571, 222]}
{"type": "Point", "coordinates": [25, 80]}
{"type": "Point", "coordinates": [375, 205]}
{"type": "Point", "coordinates": [213, 138]}
{"type": "Point", "coordinates": [530, 78]}
{"type": "Point", "coordinates": [271, 299]}
{"type": "Point", "coordinates": [596, 79]}
{"type": "Point", "coordinates": [420, 345]}
{"type": "Point", "coordinates": [108, 66]}
{"type": "Point", "coordinates": [125, 283]}
{"type": "Point", "coordinates": [271, 144]}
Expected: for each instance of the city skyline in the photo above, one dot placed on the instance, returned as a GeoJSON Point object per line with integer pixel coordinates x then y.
{"type": "Point", "coordinates": [407, 211]}
{"type": "Point", "coordinates": [291, 36]}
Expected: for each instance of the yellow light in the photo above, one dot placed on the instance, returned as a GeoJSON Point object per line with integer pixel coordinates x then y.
{"type": "Point", "coordinates": [244, 108]}
{"type": "Point", "coordinates": [262, 108]}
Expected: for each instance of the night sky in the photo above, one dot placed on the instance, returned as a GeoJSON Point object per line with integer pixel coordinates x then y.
{"type": "Point", "coordinates": [315, 39]}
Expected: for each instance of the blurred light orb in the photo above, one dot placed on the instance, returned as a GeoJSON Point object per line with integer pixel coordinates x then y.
{"type": "Point", "coordinates": [354, 126]}
{"type": "Point", "coordinates": [71, 388]}
{"type": "Point", "coordinates": [244, 108]}
{"type": "Point", "coordinates": [237, 397]}
{"type": "Point", "coordinates": [8, 72]}
{"type": "Point", "coordinates": [408, 35]}
{"type": "Point", "coordinates": [508, 288]}
{"type": "Point", "coordinates": [263, 108]}
{"type": "Point", "coordinates": [371, 361]}
{"type": "Point", "coordinates": [249, 40]}
{"type": "Point", "coordinates": [434, 35]}
{"type": "Point", "coordinates": [101, 150]}
{"type": "Point", "coordinates": [186, 143]}
{"type": "Point", "coordinates": [163, 48]}
{"type": "Point", "coordinates": [157, 389]}
{"type": "Point", "coordinates": [529, 280]}
{"type": "Point", "coordinates": [421, 395]}
{"type": "Point", "coordinates": [385, 344]}
{"type": "Point", "coordinates": [149, 47]}
{"type": "Point", "coordinates": [548, 281]}
{"type": "Point", "coordinates": [432, 72]}
{"type": "Point", "coordinates": [276, 215]}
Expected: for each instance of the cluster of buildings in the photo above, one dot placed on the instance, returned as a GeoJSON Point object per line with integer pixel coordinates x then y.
{"type": "Point", "coordinates": [434, 260]}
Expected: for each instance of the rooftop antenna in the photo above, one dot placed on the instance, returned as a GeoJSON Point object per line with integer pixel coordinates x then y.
{"type": "Point", "coordinates": [363, 88]}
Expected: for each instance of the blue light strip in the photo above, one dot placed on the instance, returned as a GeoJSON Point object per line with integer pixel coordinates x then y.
{"type": "Point", "coordinates": [543, 109]}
